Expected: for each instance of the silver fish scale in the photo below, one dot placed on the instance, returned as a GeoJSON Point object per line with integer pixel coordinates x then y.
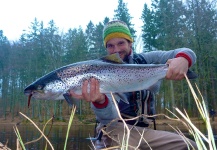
{"type": "Point", "coordinates": [129, 79]}
{"type": "Point", "coordinates": [55, 86]}
{"type": "Point", "coordinates": [112, 77]}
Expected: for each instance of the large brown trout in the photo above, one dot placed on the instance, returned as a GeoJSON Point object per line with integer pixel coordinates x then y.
{"type": "Point", "coordinates": [113, 74]}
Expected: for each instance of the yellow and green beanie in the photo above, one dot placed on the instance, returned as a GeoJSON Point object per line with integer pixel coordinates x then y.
{"type": "Point", "coordinates": [116, 29]}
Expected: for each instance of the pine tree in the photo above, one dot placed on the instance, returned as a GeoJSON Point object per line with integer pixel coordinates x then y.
{"type": "Point", "coordinates": [122, 13]}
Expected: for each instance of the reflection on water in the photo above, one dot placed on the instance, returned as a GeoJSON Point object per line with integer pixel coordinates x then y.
{"type": "Point", "coordinates": [200, 126]}
{"type": "Point", "coordinates": [76, 141]}
{"type": "Point", "coordinates": [77, 136]}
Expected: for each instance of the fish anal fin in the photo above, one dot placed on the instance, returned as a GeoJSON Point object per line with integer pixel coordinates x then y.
{"type": "Point", "coordinates": [68, 98]}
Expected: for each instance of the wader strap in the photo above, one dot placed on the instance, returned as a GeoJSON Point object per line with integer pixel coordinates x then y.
{"type": "Point", "coordinates": [145, 106]}
{"type": "Point", "coordinates": [98, 134]}
{"type": "Point", "coordinates": [139, 59]}
{"type": "Point", "coordinates": [144, 103]}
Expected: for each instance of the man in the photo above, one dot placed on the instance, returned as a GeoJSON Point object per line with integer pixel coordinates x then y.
{"type": "Point", "coordinates": [118, 39]}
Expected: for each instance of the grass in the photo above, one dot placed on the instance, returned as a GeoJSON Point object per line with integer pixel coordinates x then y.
{"type": "Point", "coordinates": [203, 142]}
{"type": "Point", "coordinates": [69, 125]}
{"type": "Point", "coordinates": [20, 143]}
{"type": "Point", "coordinates": [19, 138]}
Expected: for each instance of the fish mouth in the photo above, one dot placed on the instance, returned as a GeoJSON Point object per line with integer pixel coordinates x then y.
{"type": "Point", "coordinates": [29, 99]}
{"type": "Point", "coordinates": [28, 92]}
{"type": "Point", "coordinates": [31, 92]}
{"type": "Point", "coordinates": [41, 95]}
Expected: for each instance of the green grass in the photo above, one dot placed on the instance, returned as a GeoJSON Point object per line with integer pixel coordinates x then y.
{"type": "Point", "coordinates": [203, 142]}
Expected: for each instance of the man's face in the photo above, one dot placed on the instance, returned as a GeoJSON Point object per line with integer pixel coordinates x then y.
{"type": "Point", "coordinates": [119, 45]}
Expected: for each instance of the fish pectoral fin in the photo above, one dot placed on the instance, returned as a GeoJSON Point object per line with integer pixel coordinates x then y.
{"type": "Point", "coordinates": [68, 98]}
{"type": "Point", "coordinates": [113, 58]}
{"type": "Point", "coordinates": [121, 97]}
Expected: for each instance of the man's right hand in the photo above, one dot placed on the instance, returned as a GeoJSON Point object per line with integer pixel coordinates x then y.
{"type": "Point", "coordinates": [93, 96]}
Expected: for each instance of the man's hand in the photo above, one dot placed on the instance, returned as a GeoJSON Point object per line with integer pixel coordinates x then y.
{"type": "Point", "coordinates": [93, 96]}
{"type": "Point", "coordinates": [177, 68]}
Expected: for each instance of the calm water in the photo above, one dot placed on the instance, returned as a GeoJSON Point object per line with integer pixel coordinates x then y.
{"type": "Point", "coordinates": [76, 141]}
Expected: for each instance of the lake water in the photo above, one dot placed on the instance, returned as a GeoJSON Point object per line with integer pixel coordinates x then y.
{"type": "Point", "coordinates": [76, 141]}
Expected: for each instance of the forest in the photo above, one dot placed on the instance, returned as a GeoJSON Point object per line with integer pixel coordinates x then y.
{"type": "Point", "coordinates": [167, 24]}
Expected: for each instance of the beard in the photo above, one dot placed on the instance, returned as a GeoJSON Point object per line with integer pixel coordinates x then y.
{"type": "Point", "coordinates": [126, 59]}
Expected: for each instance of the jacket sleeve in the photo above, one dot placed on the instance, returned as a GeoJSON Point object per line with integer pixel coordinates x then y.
{"type": "Point", "coordinates": [161, 57]}
{"type": "Point", "coordinates": [106, 114]}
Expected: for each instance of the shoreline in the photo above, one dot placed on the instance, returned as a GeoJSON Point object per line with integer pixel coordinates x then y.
{"type": "Point", "coordinates": [76, 121]}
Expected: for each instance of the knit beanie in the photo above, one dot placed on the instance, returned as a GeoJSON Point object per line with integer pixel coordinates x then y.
{"type": "Point", "coordinates": [116, 29]}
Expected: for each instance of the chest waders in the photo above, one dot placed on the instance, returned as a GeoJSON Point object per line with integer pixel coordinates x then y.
{"type": "Point", "coordinates": [142, 104]}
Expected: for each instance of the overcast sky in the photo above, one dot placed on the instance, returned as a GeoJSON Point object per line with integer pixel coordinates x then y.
{"type": "Point", "coordinates": [17, 15]}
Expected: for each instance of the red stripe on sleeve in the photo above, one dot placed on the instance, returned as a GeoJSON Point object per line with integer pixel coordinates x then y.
{"type": "Point", "coordinates": [103, 105]}
{"type": "Point", "coordinates": [186, 57]}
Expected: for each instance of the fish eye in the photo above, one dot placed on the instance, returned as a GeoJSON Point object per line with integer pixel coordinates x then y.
{"type": "Point", "coordinates": [39, 87]}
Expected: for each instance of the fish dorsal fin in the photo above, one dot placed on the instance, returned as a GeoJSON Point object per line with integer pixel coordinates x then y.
{"type": "Point", "coordinates": [113, 58]}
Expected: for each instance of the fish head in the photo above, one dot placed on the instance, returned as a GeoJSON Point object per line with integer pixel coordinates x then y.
{"type": "Point", "coordinates": [46, 88]}
{"type": "Point", "coordinates": [47, 91]}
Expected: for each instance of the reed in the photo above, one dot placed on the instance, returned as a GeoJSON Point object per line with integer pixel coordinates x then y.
{"type": "Point", "coordinates": [21, 144]}
{"type": "Point", "coordinates": [203, 142]}
{"type": "Point", "coordinates": [69, 125]}
{"type": "Point", "coordinates": [19, 137]}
